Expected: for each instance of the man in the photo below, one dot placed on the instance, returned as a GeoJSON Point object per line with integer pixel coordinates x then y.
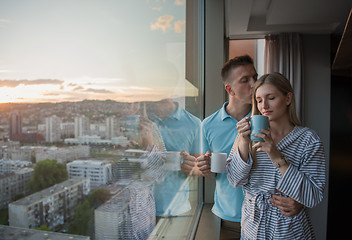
{"type": "Point", "coordinates": [219, 133]}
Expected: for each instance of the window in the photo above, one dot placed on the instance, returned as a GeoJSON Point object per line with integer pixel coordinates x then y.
{"type": "Point", "coordinates": [105, 81]}
{"type": "Point", "coordinates": [252, 47]}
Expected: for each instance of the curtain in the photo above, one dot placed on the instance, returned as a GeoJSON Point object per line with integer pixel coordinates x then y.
{"type": "Point", "coordinates": [283, 54]}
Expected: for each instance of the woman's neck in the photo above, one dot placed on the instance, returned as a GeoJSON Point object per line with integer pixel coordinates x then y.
{"type": "Point", "coordinates": [280, 129]}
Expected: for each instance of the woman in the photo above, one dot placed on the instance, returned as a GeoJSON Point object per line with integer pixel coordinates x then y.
{"type": "Point", "coordinates": [290, 162]}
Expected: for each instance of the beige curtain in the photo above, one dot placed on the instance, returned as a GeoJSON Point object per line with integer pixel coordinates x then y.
{"type": "Point", "coordinates": [283, 54]}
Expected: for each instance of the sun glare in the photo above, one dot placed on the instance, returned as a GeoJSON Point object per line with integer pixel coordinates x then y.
{"type": "Point", "coordinates": [8, 95]}
{"type": "Point", "coordinates": [20, 94]}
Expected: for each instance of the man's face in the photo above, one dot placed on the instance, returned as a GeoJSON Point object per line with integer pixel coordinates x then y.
{"type": "Point", "coordinates": [240, 83]}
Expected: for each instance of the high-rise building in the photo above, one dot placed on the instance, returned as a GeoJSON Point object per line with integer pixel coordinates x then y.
{"type": "Point", "coordinates": [52, 129]}
{"type": "Point", "coordinates": [81, 126]}
{"type": "Point", "coordinates": [112, 127]}
{"type": "Point", "coordinates": [15, 126]}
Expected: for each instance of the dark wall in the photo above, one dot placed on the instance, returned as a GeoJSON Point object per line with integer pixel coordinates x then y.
{"type": "Point", "coordinates": [340, 208]}
{"type": "Point", "coordinates": [339, 211]}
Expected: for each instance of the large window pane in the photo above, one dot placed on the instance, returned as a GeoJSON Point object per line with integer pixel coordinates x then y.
{"type": "Point", "coordinates": [99, 124]}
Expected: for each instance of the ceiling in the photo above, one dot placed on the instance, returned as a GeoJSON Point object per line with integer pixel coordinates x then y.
{"type": "Point", "coordinates": [253, 18]}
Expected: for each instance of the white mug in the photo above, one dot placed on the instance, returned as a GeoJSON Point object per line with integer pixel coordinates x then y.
{"type": "Point", "coordinates": [173, 161]}
{"type": "Point", "coordinates": [218, 162]}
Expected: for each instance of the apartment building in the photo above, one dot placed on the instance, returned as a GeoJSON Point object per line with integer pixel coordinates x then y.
{"type": "Point", "coordinates": [39, 153]}
{"type": "Point", "coordinates": [96, 140]}
{"type": "Point", "coordinates": [112, 127]}
{"type": "Point", "coordinates": [7, 166]}
{"type": "Point", "coordinates": [52, 206]}
{"type": "Point", "coordinates": [63, 154]}
{"type": "Point", "coordinates": [98, 172]}
{"type": "Point", "coordinates": [13, 184]}
{"type": "Point", "coordinates": [24, 153]}
{"type": "Point", "coordinates": [7, 147]}
{"type": "Point", "coordinates": [120, 141]}
{"type": "Point", "coordinates": [129, 214]}
{"type": "Point", "coordinates": [52, 127]}
{"type": "Point", "coordinates": [67, 129]}
{"type": "Point", "coordinates": [81, 126]}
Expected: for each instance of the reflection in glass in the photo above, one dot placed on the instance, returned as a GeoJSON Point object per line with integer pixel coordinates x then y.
{"type": "Point", "coordinates": [102, 92]}
{"type": "Point", "coordinates": [180, 132]}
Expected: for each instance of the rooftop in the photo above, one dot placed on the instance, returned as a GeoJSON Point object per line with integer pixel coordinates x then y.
{"type": "Point", "coordinates": [90, 162]}
{"type": "Point", "coordinates": [37, 197]}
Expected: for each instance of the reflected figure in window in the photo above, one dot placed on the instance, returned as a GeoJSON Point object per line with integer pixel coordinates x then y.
{"type": "Point", "coordinates": [135, 204]}
{"type": "Point", "coordinates": [180, 131]}
{"type": "Point", "coordinates": [170, 137]}
{"type": "Point", "coordinates": [289, 161]}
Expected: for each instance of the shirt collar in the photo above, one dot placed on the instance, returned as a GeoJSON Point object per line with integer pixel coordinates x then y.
{"type": "Point", "coordinates": [223, 112]}
{"type": "Point", "coordinates": [225, 115]}
{"type": "Point", "coordinates": [175, 115]}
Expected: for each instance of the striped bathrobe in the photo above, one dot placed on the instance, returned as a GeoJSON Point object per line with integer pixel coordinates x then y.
{"type": "Point", "coordinates": [304, 181]}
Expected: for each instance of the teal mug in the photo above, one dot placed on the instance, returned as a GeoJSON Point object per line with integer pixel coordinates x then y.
{"type": "Point", "coordinates": [258, 122]}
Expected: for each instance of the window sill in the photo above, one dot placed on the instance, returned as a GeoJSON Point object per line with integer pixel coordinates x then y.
{"type": "Point", "coordinates": [209, 224]}
{"type": "Point", "coordinates": [183, 226]}
{"type": "Point", "coordinates": [171, 227]}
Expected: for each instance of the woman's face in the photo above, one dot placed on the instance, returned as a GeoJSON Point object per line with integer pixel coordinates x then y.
{"type": "Point", "coordinates": [272, 103]}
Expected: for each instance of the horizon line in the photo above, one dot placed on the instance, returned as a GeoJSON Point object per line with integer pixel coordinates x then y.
{"type": "Point", "coordinates": [75, 101]}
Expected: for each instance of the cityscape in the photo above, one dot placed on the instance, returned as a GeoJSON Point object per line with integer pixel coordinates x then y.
{"type": "Point", "coordinates": [97, 144]}
{"type": "Point", "coordinates": [74, 165]}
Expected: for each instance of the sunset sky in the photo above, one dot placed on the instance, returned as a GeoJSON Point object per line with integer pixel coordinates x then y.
{"type": "Point", "coordinates": [70, 50]}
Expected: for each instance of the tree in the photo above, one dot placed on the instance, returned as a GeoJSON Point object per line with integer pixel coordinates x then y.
{"type": "Point", "coordinates": [43, 228]}
{"type": "Point", "coordinates": [46, 174]}
{"type": "Point", "coordinates": [98, 196]}
{"type": "Point", "coordinates": [83, 222]}
{"type": "Point", "coordinates": [4, 216]}
{"type": "Point", "coordinates": [33, 158]}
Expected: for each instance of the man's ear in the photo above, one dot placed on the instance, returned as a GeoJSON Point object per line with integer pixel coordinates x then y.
{"type": "Point", "coordinates": [229, 90]}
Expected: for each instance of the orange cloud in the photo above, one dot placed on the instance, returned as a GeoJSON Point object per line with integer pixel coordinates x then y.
{"type": "Point", "coordinates": [163, 23]}
{"type": "Point", "coordinates": [178, 26]}
{"type": "Point", "coordinates": [179, 2]}
{"type": "Point", "coordinates": [15, 83]}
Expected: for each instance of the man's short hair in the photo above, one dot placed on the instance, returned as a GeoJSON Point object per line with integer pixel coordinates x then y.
{"type": "Point", "coordinates": [233, 63]}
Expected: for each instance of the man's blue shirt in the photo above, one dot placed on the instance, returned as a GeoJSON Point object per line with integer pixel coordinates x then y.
{"type": "Point", "coordinates": [218, 135]}
{"type": "Point", "coordinates": [180, 132]}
